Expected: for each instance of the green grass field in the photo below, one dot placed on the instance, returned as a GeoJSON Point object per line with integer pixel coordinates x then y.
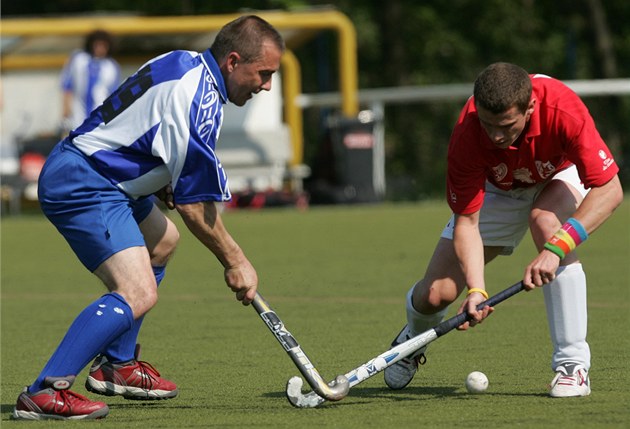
{"type": "Point", "coordinates": [337, 277]}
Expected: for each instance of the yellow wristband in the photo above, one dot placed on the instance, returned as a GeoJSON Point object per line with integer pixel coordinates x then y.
{"type": "Point", "coordinates": [476, 289]}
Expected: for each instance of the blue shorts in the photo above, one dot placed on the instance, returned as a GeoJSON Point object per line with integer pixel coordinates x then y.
{"type": "Point", "coordinates": [95, 217]}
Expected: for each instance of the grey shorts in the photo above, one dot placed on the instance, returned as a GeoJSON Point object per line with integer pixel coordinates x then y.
{"type": "Point", "coordinates": [504, 216]}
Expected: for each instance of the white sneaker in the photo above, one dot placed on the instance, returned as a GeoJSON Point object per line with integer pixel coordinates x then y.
{"type": "Point", "coordinates": [400, 374]}
{"type": "Point", "coordinates": [571, 380]}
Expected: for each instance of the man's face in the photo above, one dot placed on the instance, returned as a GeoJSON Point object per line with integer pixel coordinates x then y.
{"type": "Point", "coordinates": [247, 79]}
{"type": "Point", "coordinates": [100, 48]}
{"type": "Point", "coordinates": [505, 128]}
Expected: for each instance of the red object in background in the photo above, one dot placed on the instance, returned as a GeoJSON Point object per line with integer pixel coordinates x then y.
{"type": "Point", "coordinates": [258, 200]}
{"type": "Point", "coordinates": [31, 165]}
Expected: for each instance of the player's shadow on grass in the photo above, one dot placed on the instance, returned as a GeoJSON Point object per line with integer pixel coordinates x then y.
{"type": "Point", "coordinates": [410, 393]}
{"type": "Point", "coordinates": [416, 393]}
{"type": "Point", "coordinates": [148, 405]}
{"type": "Point", "coordinates": [413, 393]}
{"type": "Point", "coordinates": [8, 408]}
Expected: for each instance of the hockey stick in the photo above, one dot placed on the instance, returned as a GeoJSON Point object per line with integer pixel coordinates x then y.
{"type": "Point", "coordinates": [393, 355]}
{"type": "Point", "coordinates": [335, 390]}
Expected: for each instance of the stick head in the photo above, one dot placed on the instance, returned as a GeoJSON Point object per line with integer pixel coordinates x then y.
{"type": "Point", "coordinates": [339, 388]}
{"type": "Point", "coordinates": [336, 391]}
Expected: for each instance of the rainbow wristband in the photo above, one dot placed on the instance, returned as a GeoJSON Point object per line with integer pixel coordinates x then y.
{"type": "Point", "coordinates": [570, 236]}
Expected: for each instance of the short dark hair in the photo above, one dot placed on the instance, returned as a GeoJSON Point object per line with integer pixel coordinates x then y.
{"type": "Point", "coordinates": [98, 35]}
{"type": "Point", "coordinates": [501, 86]}
{"type": "Point", "coordinates": [245, 35]}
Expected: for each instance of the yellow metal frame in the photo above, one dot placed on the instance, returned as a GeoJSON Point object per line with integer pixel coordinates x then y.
{"type": "Point", "coordinates": [316, 20]}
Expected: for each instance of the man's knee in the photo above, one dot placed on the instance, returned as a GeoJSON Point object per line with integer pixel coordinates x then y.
{"type": "Point", "coordinates": [166, 246]}
{"type": "Point", "coordinates": [543, 224]}
{"type": "Point", "coordinates": [141, 299]}
{"type": "Point", "coordinates": [429, 297]}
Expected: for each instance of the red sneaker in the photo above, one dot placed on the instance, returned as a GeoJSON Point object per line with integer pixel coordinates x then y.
{"type": "Point", "coordinates": [133, 380]}
{"type": "Point", "coordinates": [57, 402]}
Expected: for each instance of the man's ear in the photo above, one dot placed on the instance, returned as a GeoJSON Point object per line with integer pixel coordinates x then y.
{"type": "Point", "coordinates": [531, 107]}
{"type": "Point", "coordinates": [232, 61]}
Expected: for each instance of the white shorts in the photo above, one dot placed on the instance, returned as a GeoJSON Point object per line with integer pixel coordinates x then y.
{"type": "Point", "coordinates": [504, 216]}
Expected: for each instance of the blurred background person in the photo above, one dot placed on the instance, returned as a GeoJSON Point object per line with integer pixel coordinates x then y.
{"type": "Point", "coordinates": [87, 79]}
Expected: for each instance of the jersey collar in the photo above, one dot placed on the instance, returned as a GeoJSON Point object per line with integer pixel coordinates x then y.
{"type": "Point", "coordinates": [215, 72]}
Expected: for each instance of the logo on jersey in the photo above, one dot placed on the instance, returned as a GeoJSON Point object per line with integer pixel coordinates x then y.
{"type": "Point", "coordinates": [545, 169]}
{"type": "Point", "coordinates": [453, 197]}
{"type": "Point", "coordinates": [607, 161]}
{"type": "Point", "coordinates": [207, 107]}
{"type": "Point", "coordinates": [499, 172]}
{"type": "Point", "coordinates": [523, 175]}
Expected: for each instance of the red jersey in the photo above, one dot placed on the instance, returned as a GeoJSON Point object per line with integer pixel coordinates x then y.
{"type": "Point", "coordinates": [560, 132]}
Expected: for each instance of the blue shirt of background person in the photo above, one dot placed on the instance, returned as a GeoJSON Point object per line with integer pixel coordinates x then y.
{"type": "Point", "coordinates": [89, 76]}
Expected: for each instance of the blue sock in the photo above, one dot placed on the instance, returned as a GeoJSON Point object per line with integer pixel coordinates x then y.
{"type": "Point", "coordinates": [93, 329]}
{"type": "Point", "coordinates": [122, 348]}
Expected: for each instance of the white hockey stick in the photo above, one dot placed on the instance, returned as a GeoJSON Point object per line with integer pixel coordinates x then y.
{"type": "Point", "coordinates": [393, 355]}
{"type": "Point", "coordinates": [336, 390]}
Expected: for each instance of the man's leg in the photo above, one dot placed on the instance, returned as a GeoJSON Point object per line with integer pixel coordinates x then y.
{"type": "Point", "coordinates": [123, 348]}
{"type": "Point", "coordinates": [503, 223]}
{"type": "Point", "coordinates": [565, 301]}
{"type": "Point", "coordinates": [426, 305]}
{"type": "Point", "coordinates": [96, 326]}
{"type": "Point", "coordinates": [565, 297]}
{"type": "Point", "coordinates": [107, 318]}
{"type": "Point", "coordinates": [161, 237]}
{"type": "Point", "coordinates": [118, 371]}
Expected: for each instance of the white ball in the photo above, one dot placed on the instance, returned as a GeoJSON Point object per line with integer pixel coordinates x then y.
{"type": "Point", "coordinates": [476, 382]}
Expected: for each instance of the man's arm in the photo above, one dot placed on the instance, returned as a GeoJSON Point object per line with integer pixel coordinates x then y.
{"type": "Point", "coordinates": [469, 249]}
{"type": "Point", "coordinates": [166, 196]}
{"type": "Point", "coordinates": [204, 221]}
{"type": "Point", "coordinates": [597, 206]}
{"type": "Point", "coordinates": [470, 255]}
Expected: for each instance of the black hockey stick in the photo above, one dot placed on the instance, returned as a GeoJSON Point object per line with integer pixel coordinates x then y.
{"type": "Point", "coordinates": [393, 355]}
{"type": "Point", "coordinates": [333, 391]}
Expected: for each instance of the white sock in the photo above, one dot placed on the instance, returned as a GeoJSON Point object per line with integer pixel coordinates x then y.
{"type": "Point", "coordinates": [565, 302]}
{"type": "Point", "coordinates": [418, 322]}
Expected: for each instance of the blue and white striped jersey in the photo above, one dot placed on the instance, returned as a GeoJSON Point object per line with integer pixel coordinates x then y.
{"type": "Point", "coordinates": [90, 80]}
{"type": "Point", "coordinates": [161, 126]}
